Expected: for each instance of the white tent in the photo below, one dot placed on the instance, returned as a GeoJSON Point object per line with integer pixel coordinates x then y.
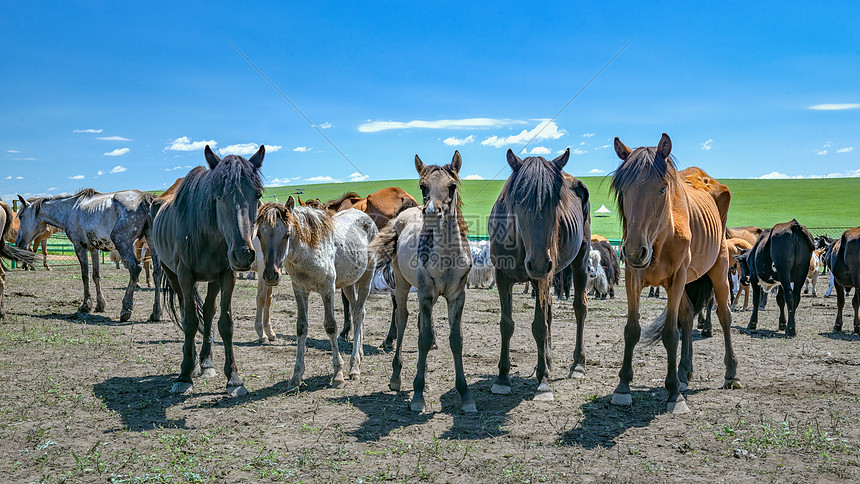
{"type": "Point", "coordinates": [602, 212]}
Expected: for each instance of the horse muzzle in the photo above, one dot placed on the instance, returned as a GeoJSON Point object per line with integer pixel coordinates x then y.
{"type": "Point", "coordinates": [271, 276]}
{"type": "Point", "coordinates": [242, 258]}
{"type": "Point", "coordinates": [641, 259]}
{"type": "Point", "coordinates": [539, 270]}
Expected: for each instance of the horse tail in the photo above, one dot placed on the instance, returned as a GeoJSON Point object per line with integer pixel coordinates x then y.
{"type": "Point", "coordinates": [804, 233]}
{"type": "Point", "coordinates": [697, 294]}
{"type": "Point", "coordinates": [385, 244]}
{"type": "Point", "coordinates": [10, 251]}
{"type": "Point", "coordinates": [177, 315]}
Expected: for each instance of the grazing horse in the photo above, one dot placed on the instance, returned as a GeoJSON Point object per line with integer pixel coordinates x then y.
{"type": "Point", "coordinates": [428, 249]}
{"type": "Point", "coordinates": [40, 240]}
{"type": "Point", "coordinates": [780, 257]}
{"type": "Point", "coordinates": [540, 224]}
{"type": "Point", "coordinates": [843, 257]}
{"type": "Point", "coordinates": [7, 251]}
{"type": "Point", "coordinates": [203, 233]}
{"type": "Point", "coordinates": [674, 226]}
{"type": "Point", "coordinates": [94, 221]}
{"type": "Point", "coordinates": [322, 253]}
{"type": "Point", "coordinates": [736, 246]}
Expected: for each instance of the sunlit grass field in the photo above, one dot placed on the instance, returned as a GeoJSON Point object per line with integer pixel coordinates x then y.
{"type": "Point", "coordinates": [815, 203]}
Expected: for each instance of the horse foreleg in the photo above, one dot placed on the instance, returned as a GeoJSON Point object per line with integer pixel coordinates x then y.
{"type": "Point", "coordinates": [157, 274]}
{"type": "Point", "coordinates": [82, 254]}
{"type": "Point", "coordinates": [133, 265]}
{"type": "Point", "coordinates": [756, 297]}
{"type": "Point", "coordinates": [190, 324]}
{"type": "Point", "coordinates": [540, 332]}
{"type": "Point", "coordinates": [2, 291]}
{"type": "Point", "coordinates": [347, 321]}
{"type": "Point", "coordinates": [207, 368]}
{"type": "Point", "coordinates": [840, 303]}
{"type": "Point", "coordinates": [401, 295]}
{"type": "Point", "coordinates": [425, 343]}
{"type": "Point", "coordinates": [45, 253]}
{"type": "Point", "coordinates": [330, 324]}
{"type": "Point", "coordinates": [675, 295]}
{"type": "Point", "coordinates": [632, 333]}
{"type": "Point", "coordinates": [455, 339]}
{"type": "Point", "coordinates": [235, 385]}
{"type": "Point", "coordinates": [580, 309]}
{"type": "Point", "coordinates": [856, 303]}
{"type": "Point", "coordinates": [261, 317]}
{"type": "Point", "coordinates": [97, 281]}
{"type": "Point", "coordinates": [388, 343]}
{"type": "Point", "coordinates": [502, 385]}
{"type": "Point", "coordinates": [301, 336]}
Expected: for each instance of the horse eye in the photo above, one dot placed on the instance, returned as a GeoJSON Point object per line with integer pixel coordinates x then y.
{"type": "Point", "coordinates": [451, 189]}
{"type": "Point", "coordinates": [662, 190]}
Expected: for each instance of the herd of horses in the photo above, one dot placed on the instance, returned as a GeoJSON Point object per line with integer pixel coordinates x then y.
{"type": "Point", "coordinates": [210, 225]}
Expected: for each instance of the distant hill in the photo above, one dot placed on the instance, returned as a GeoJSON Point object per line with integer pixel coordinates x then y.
{"type": "Point", "coordinates": [831, 202]}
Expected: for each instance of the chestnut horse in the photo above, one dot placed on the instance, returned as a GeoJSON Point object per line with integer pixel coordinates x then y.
{"type": "Point", "coordinates": [674, 235]}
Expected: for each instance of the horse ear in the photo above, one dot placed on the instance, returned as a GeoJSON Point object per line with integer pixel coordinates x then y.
{"type": "Point", "coordinates": [664, 148]}
{"type": "Point", "coordinates": [291, 204]}
{"type": "Point", "coordinates": [257, 159]}
{"type": "Point", "coordinates": [23, 202]}
{"type": "Point", "coordinates": [562, 160]}
{"type": "Point", "coordinates": [457, 161]}
{"type": "Point", "coordinates": [299, 199]}
{"type": "Point", "coordinates": [514, 160]}
{"type": "Point", "coordinates": [622, 150]}
{"type": "Point", "coordinates": [419, 165]}
{"type": "Point", "coordinates": [211, 157]}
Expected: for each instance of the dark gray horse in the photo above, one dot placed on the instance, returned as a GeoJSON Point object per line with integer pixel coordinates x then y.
{"type": "Point", "coordinates": [204, 234]}
{"type": "Point", "coordinates": [95, 221]}
{"type": "Point", "coordinates": [540, 224]}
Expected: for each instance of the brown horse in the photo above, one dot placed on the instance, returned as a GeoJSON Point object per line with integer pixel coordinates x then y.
{"type": "Point", "coordinates": [674, 226]}
{"type": "Point", "coordinates": [539, 225]}
{"type": "Point", "coordinates": [40, 240]}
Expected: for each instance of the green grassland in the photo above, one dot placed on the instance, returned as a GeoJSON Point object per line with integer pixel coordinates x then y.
{"type": "Point", "coordinates": [831, 202]}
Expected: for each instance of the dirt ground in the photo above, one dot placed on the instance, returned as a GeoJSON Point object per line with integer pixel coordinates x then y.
{"type": "Point", "coordinates": [85, 399]}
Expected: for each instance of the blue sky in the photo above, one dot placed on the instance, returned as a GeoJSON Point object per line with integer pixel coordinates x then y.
{"type": "Point", "coordinates": [114, 95]}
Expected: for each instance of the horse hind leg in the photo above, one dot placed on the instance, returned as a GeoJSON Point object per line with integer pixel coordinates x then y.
{"type": "Point", "coordinates": [82, 254]}
{"type": "Point", "coordinates": [330, 324]}
{"type": "Point", "coordinates": [357, 295]}
{"type": "Point", "coordinates": [2, 291]}
{"type": "Point", "coordinates": [134, 270]}
{"type": "Point", "coordinates": [347, 311]}
{"type": "Point", "coordinates": [856, 303]}
{"type": "Point", "coordinates": [301, 337]}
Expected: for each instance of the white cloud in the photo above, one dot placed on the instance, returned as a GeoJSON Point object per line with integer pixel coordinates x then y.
{"type": "Point", "coordinates": [19, 177]}
{"type": "Point", "coordinates": [834, 107]}
{"type": "Point", "coordinates": [774, 175]}
{"type": "Point", "coordinates": [596, 171]}
{"type": "Point", "coordinates": [117, 152]}
{"type": "Point", "coordinates": [303, 149]}
{"type": "Point", "coordinates": [326, 125]}
{"type": "Point", "coordinates": [577, 151]}
{"type": "Point", "coordinates": [847, 149]}
{"type": "Point", "coordinates": [466, 123]}
{"type": "Point", "coordinates": [587, 135]}
{"type": "Point", "coordinates": [782, 176]}
{"type": "Point", "coordinates": [52, 189]}
{"type": "Point", "coordinates": [821, 152]}
{"type": "Point", "coordinates": [246, 149]}
{"type": "Point", "coordinates": [185, 144]}
{"type": "Point", "coordinates": [543, 131]}
{"type": "Point", "coordinates": [358, 177]}
{"type": "Point", "coordinates": [602, 147]}
{"type": "Point", "coordinates": [113, 138]}
{"type": "Point", "coordinates": [453, 141]}
{"type": "Point", "coordinates": [324, 179]}
{"type": "Point", "coordinates": [582, 143]}
{"type": "Point", "coordinates": [540, 150]}
{"type": "Point", "coordinates": [473, 177]}
{"type": "Point", "coordinates": [707, 145]}
{"type": "Point", "coordinates": [90, 130]}
{"type": "Point", "coordinates": [277, 182]}
{"type": "Point", "coordinates": [9, 177]}
{"type": "Point", "coordinates": [118, 169]}
{"type": "Point", "coordinates": [12, 151]}
{"type": "Point", "coordinates": [100, 172]}
{"type": "Point", "coordinates": [76, 177]}
{"type": "Point", "coordinates": [177, 167]}
{"type": "Point", "coordinates": [25, 159]}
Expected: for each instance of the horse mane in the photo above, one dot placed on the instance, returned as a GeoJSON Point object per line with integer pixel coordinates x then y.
{"type": "Point", "coordinates": [429, 169]}
{"type": "Point", "coordinates": [36, 203]}
{"type": "Point", "coordinates": [194, 199]}
{"type": "Point", "coordinates": [641, 162]}
{"type": "Point", "coordinates": [336, 202]}
{"type": "Point", "coordinates": [309, 225]}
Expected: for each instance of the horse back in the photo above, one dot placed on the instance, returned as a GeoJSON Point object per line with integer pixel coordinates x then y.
{"type": "Point", "coordinates": [791, 247]}
{"type": "Point", "coordinates": [845, 258]}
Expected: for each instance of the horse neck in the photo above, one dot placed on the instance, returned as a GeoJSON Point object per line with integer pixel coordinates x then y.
{"type": "Point", "coordinates": [446, 234]}
{"type": "Point", "coordinates": [57, 212]}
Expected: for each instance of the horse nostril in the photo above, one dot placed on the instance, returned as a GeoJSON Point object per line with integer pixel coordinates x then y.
{"type": "Point", "coordinates": [643, 252]}
{"type": "Point", "coordinates": [529, 266]}
{"type": "Point", "coordinates": [623, 252]}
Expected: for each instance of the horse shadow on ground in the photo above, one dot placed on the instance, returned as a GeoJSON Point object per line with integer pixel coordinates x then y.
{"type": "Point", "coordinates": [760, 333]}
{"type": "Point", "coordinates": [345, 347]}
{"type": "Point", "coordinates": [82, 318]}
{"type": "Point", "coordinates": [388, 411]}
{"type": "Point", "coordinates": [604, 422]}
{"type": "Point", "coordinates": [141, 402]}
{"type": "Point", "coordinates": [841, 335]}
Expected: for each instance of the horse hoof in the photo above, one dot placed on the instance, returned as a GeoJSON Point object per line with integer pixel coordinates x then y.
{"type": "Point", "coordinates": [683, 387]}
{"type": "Point", "coordinates": [237, 391]}
{"type": "Point", "coordinates": [707, 333]}
{"type": "Point", "coordinates": [501, 389]}
{"type": "Point", "coordinates": [679, 407]}
{"type": "Point", "coordinates": [84, 309]}
{"type": "Point", "coordinates": [123, 316]}
{"type": "Point", "coordinates": [791, 332]}
{"type": "Point", "coordinates": [155, 317]}
{"type": "Point", "coordinates": [417, 406]}
{"type": "Point", "coordinates": [338, 382]}
{"type": "Point", "coordinates": [100, 308]}
{"type": "Point", "coordinates": [752, 326]}
{"type": "Point", "coordinates": [469, 407]}
{"type": "Point", "coordinates": [622, 399]}
{"type": "Point", "coordinates": [544, 393]}
{"type": "Point", "coordinates": [394, 386]}
{"type": "Point", "coordinates": [208, 373]}
{"type": "Point", "coordinates": [272, 337]}
{"type": "Point", "coordinates": [577, 371]}
{"type": "Point", "coordinates": [354, 376]}
{"type": "Point", "coordinates": [181, 387]}
{"type": "Point", "coordinates": [732, 385]}
{"type": "Point", "coordinates": [293, 386]}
